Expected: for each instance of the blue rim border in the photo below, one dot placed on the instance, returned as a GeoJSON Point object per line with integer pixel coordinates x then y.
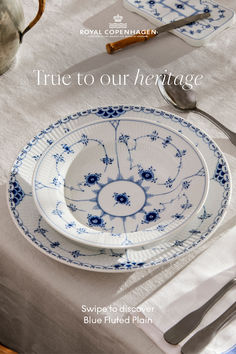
{"type": "Point", "coordinates": [123, 109]}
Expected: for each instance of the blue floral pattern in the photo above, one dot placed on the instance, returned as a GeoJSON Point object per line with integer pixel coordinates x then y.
{"type": "Point", "coordinates": [121, 198]}
{"type": "Point", "coordinates": [91, 179]}
{"type": "Point", "coordinates": [107, 160]}
{"type": "Point", "coordinates": [113, 198]}
{"type": "Point", "coordinates": [43, 237]}
{"type": "Point", "coordinates": [151, 216]}
{"type": "Point", "coordinates": [165, 11]}
{"type": "Point", "coordinates": [96, 221]}
{"type": "Point", "coordinates": [148, 174]}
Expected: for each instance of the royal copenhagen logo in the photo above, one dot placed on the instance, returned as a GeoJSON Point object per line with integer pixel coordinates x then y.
{"type": "Point", "coordinates": [117, 22]}
{"type": "Point", "coordinates": [116, 28]}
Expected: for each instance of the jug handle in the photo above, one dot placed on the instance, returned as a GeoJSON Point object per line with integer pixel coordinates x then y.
{"type": "Point", "coordinates": [35, 20]}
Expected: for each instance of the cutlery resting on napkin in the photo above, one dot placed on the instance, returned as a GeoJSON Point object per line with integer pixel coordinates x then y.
{"type": "Point", "coordinates": [202, 280]}
{"type": "Point", "coordinates": [185, 326]}
{"type": "Point", "coordinates": [202, 338]}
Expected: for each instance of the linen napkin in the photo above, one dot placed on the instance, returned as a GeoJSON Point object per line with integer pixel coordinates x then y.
{"type": "Point", "coordinates": [191, 288]}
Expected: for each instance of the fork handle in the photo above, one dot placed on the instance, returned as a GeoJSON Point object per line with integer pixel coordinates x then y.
{"type": "Point", "coordinates": [228, 315]}
{"type": "Point", "coordinates": [203, 337]}
{"type": "Point", "coordinates": [213, 300]}
{"type": "Point", "coordinates": [187, 324]}
{"type": "Point", "coordinates": [231, 135]}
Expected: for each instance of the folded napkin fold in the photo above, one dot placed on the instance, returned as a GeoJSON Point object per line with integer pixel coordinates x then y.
{"type": "Point", "coordinates": [190, 289]}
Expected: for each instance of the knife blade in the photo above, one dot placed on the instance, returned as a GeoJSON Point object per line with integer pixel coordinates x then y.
{"type": "Point", "coordinates": [148, 34]}
{"type": "Point", "coordinates": [203, 337]}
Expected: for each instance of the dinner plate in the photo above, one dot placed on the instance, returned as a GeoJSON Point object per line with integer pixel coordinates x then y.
{"type": "Point", "coordinates": [161, 12]}
{"type": "Point", "coordinates": [36, 230]}
{"type": "Point", "coordinates": [120, 183]}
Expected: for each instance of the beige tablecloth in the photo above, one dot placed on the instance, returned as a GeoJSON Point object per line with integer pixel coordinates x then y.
{"type": "Point", "coordinates": [40, 299]}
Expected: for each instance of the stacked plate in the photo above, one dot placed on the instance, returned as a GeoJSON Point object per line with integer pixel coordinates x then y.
{"type": "Point", "coordinates": [119, 189]}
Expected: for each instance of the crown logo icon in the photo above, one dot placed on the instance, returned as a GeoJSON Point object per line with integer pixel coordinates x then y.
{"type": "Point", "coordinates": [118, 18]}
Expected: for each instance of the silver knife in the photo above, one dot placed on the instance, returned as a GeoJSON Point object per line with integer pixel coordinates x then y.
{"type": "Point", "coordinates": [202, 338]}
{"type": "Point", "coordinates": [180, 330]}
{"type": "Point", "coordinates": [146, 35]}
{"type": "Point", "coordinates": [183, 22]}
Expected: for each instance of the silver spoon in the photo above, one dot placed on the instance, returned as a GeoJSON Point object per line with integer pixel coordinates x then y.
{"type": "Point", "coordinates": [173, 92]}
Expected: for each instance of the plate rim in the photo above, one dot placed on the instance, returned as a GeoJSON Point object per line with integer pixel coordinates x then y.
{"type": "Point", "coordinates": [111, 269]}
{"type": "Point", "coordinates": [120, 246]}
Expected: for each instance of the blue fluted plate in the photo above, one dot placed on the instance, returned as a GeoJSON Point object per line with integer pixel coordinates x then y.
{"type": "Point", "coordinates": [120, 183]}
{"type": "Point", "coordinates": [161, 12]}
{"type": "Point", "coordinates": [36, 230]}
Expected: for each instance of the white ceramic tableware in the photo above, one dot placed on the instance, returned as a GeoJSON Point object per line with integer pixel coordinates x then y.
{"type": "Point", "coordinates": [36, 230]}
{"type": "Point", "coordinates": [161, 12]}
{"type": "Point", "coordinates": [120, 183]}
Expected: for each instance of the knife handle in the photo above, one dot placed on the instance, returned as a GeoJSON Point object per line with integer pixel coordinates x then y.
{"type": "Point", "coordinates": [140, 37]}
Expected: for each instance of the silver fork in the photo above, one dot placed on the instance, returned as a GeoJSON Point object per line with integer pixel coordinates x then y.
{"type": "Point", "coordinates": [203, 337]}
